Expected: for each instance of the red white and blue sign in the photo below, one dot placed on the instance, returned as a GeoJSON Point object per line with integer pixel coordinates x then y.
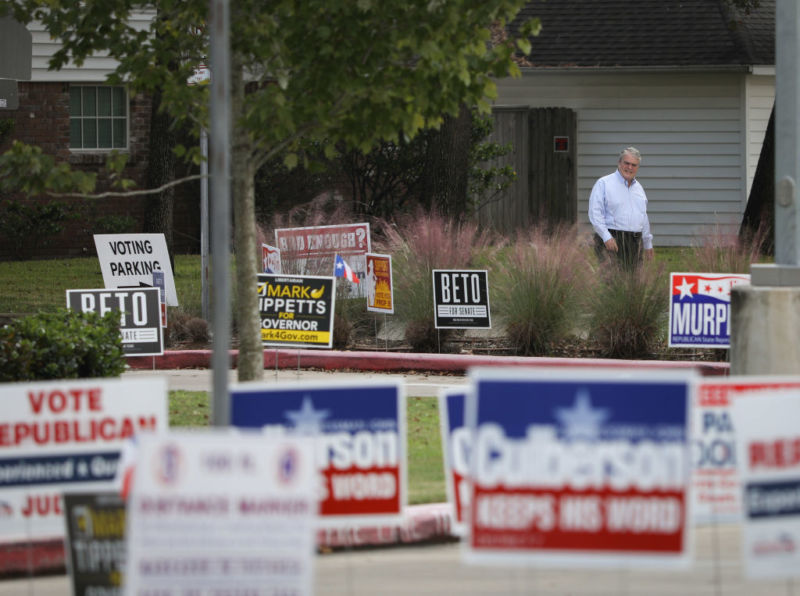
{"type": "Point", "coordinates": [575, 469]}
{"type": "Point", "coordinates": [700, 309]}
{"type": "Point", "coordinates": [768, 448]}
{"type": "Point", "coordinates": [456, 448]}
{"type": "Point", "coordinates": [360, 437]}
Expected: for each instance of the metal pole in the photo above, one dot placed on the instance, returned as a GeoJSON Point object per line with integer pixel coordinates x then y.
{"type": "Point", "coordinates": [204, 222]}
{"type": "Point", "coordinates": [787, 104]}
{"type": "Point", "coordinates": [220, 116]}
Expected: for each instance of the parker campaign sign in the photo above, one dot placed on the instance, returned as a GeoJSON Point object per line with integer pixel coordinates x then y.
{"type": "Point", "coordinates": [700, 309]}
{"type": "Point", "coordinates": [296, 310]}
{"type": "Point", "coordinates": [768, 443]}
{"type": "Point", "coordinates": [360, 436]}
{"type": "Point", "coordinates": [579, 468]}
{"type": "Point", "coordinates": [461, 299]}
{"type": "Point", "coordinates": [140, 316]}
{"type": "Point", "coordinates": [58, 436]}
{"type": "Point", "coordinates": [128, 260]}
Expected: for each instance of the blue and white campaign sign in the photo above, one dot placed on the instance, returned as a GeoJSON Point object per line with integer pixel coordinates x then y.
{"type": "Point", "coordinates": [360, 434]}
{"type": "Point", "coordinates": [216, 512]}
{"type": "Point", "coordinates": [700, 309]}
{"type": "Point", "coordinates": [456, 449]}
{"type": "Point", "coordinates": [66, 436]}
{"type": "Point", "coordinates": [768, 445]}
{"type": "Point", "coordinates": [579, 468]}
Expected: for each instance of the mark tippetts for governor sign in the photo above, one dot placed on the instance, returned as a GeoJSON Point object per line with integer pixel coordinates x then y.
{"type": "Point", "coordinates": [296, 310]}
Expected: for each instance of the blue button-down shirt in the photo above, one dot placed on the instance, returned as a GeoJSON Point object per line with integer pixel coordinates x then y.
{"type": "Point", "coordinates": [613, 204]}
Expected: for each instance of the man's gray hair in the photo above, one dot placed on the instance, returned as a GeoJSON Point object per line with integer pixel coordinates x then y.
{"type": "Point", "coordinates": [632, 151]}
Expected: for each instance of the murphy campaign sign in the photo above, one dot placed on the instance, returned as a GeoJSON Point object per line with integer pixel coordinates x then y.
{"type": "Point", "coordinates": [586, 468]}
{"type": "Point", "coordinates": [461, 299]}
{"type": "Point", "coordinates": [129, 260]}
{"type": "Point", "coordinates": [66, 436]}
{"type": "Point", "coordinates": [359, 431]}
{"type": "Point", "coordinates": [296, 310]}
{"type": "Point", "coordinates": [700, 309]}
{"type": "Point", "coordinates": [768, 443]}
{"type": "Point", "coordinates": [139, 315]}
{"type": "Point", "coordinates": [456, 448]}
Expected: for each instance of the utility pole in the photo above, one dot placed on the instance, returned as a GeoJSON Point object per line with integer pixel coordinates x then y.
{"type": "Point", "coordinates": [765, 317]}
{"type": "Point", "coordinates": [220, 116]}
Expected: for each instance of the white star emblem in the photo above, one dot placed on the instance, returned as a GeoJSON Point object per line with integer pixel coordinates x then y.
{"type": "Point", "coordinates": [581, 421]}
{"type": "Point", "coordinates": [685, 288]}
{"type": "Point", "coordinates": [307, 420]}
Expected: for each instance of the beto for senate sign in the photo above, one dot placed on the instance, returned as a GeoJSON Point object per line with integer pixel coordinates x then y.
{"type": "Point", "coordinates": [461, 299]}
{"type": "Point", "coordinates": [139, 315]}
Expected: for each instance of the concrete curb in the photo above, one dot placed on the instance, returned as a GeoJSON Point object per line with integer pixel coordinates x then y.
{"type": "Point", "coordinates": [404, 362]}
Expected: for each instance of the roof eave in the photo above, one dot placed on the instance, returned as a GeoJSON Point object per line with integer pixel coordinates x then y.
{"type": "Point", "coordinates": [744, 68]}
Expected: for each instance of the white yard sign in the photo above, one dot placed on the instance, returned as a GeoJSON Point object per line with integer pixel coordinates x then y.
{"type": "Point", "coordinates": [58, 436]}
{"type": "Point", "coordinates": [222, 513]}
{"type": "Point", "coordinates": [768, 454]}
{"type": "Point", "coordinates": [128, 260]}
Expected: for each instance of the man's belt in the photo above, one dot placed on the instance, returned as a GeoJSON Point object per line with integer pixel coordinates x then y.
{"type": "Point", "coordinates": [634, 235]}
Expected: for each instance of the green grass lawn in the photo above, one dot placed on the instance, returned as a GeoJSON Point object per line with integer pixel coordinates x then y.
{"type": "Point", "coordinates": [425, 464]}
{"type": "Point", "coordinates": [28, 287]}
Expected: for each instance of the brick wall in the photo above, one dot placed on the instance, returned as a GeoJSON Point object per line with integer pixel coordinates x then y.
{"type": "Point", "coordinates": [42, 119]}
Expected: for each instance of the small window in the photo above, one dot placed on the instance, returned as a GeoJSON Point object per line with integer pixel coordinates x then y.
{"type": "Point", "coordinates": [98, 117]}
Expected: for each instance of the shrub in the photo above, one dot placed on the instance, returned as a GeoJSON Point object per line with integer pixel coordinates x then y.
{"type": "Point", "coordinates": [28, 223]}
{"type": "Point", "coordinates": [628, 310]}
{"type": "Point", "coordinates": [61, 345]}
{"type": "Point", "coordinates": [183, 327]}
{"type": "Point", "coordinates": [539, 287]}
{"type": "Point", "coordinates": [420, 243]}
{"type": "Point", "coordinates": [726, 252]}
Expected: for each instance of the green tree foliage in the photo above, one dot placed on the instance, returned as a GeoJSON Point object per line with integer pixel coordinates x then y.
{"type": "Point", "coordinates": [303, 71]}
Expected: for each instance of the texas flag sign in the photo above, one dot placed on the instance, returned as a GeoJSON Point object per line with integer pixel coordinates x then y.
{"type": "Point", "coordinates": [700, 309]}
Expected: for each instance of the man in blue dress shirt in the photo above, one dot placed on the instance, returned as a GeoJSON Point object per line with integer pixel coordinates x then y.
{"type": "Point", "coordinates": [618, 212]}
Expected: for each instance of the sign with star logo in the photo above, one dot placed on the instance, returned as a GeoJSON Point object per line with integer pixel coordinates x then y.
{"type": "Point", "coordinates": [359, 432]}
{"type": "Point", "coordinates": [579, 468]}
{"type": "Point", "coordinates": [700, 309]}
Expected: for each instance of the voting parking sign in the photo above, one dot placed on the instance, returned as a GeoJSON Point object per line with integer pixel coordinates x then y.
{"type": "Point", "coordinates": [700, 309]}
{"type": "Point", "coordinates": [360, 437]}
{"type": "Point", "coordinates": [586, 468]}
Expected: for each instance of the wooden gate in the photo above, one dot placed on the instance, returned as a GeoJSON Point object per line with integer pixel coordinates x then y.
{"type": "Point", "coordinates": [543, 155]}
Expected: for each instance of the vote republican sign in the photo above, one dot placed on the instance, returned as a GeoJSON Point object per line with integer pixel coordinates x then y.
{"type": "Point", "coordinates": [582, 469]}
{"type": "Point", "coordinates": [700, 309]}
{"type": "Point", "coordinates": [359, 431]}
{"type": "Point", "coordinates": [66, 436]}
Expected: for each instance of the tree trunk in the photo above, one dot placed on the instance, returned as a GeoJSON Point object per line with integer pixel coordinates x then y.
{"type": "Point", "coordinates": [251, 352]}
{"type": "Point", "coordinates": [759, 215]}
{"type": "Point", "coordinates": [445, 182]}
{"type": "Point", "coordinates": [160, 170]}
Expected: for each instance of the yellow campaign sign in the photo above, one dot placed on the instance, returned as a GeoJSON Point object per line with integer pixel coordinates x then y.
{"type": "Point", "coordinates": [296, 310]}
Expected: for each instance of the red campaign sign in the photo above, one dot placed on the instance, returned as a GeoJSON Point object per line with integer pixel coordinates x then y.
{"type": "Point", "coordinates": [359, 491]}
{"type": "Point", "coordinates": [570, 520]}
{"type": "Point", "coordinates": [323, 241]}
